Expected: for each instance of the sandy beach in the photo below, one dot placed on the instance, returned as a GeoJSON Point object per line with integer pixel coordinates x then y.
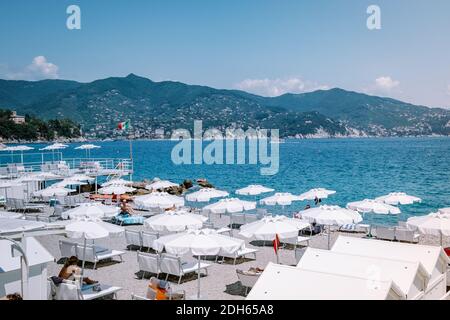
{"type": "Point", "coordinates": [221, 283]}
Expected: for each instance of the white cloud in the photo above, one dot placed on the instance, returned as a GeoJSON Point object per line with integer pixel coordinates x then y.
{"type": "Point", "coordinates": [386, 83]}
{"type": "Point", "coordinates": [39, 69]}
{"type": "Point", "coordinates": [277, 87]}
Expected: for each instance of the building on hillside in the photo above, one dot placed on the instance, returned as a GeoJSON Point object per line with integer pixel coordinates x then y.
{"type": "Point", "coordinates": [16, 118]}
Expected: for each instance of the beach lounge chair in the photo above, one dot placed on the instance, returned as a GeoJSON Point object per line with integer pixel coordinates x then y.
{"type": "Point", "coordinates": [148, 263]}
{"type": "Point", "coordinates": [94, 254]}
{"type": "Point", "coordinates": [148, 238]}
{"type": "Point", "coordinates": [247, 279]}
{"type": "Point", "coordinates": [405, 235]}
{"type": "Point", "coordinates": [384, 233]}
{"type": "Point", "coordinates": [172, 265]}
{"type": "Point", "coordinates": [240, 254]}
{"type": "Point", "coordinates": [297, 241]}
{"type": "Point", "coordinates": [70, 290]}
{"type": "Point", "coordinates": [133, 239]}
{"type": "Point", "coordinates": [67, 248]}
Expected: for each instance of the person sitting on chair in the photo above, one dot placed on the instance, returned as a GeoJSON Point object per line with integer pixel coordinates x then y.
{"type": "Point", "coordinates": [71, 269]}
{"type": "Point", "coordinates": [125, 210]}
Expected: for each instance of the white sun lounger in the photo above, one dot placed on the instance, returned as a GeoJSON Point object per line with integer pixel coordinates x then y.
{"type": "Point", "coordinates": [172, 265]}
{"type": "Point", "coordinates": [94, 256]}
{"type": "Point", "coordinates": [240, 254]}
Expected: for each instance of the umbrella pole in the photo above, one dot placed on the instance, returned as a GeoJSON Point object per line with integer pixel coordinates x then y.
{"type": "Point", "coordinates": [329, 237]}
{"type": "Point", "coordinates": [82, 265]}
{"type": "Point", "coordinates": [198, 281]}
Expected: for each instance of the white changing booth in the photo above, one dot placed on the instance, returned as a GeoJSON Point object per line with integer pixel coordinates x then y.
{"type": "Point", "coordinates": [280, 282]}
{"type": "Point", "coordinates": [11, 273]}
{"type": "Point", "coordinates": [432, 258]}
{"type": "Point", "coordinates": [410, 277]}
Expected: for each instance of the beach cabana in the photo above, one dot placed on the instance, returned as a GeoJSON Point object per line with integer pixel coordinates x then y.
{"type": "Point", "coordinates": [12, 267]}
{"type": "Point", "coordinates": [411, 277]}
{"type": "Point", "coordinates": [280, 282]}
{"type": "Point", "coordinates": [433, 258]}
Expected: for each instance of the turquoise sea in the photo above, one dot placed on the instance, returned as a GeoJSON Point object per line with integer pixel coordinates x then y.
{"type": "Point", "coordinates": [355, 168]}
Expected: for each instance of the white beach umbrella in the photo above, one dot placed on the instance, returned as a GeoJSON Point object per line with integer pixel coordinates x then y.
{"type": "Point", "coordinates": [175, 221]}
{"type": "Point", "coordinates": [88, 148]}
{"type": "Point", "coordinates": [70, 182]}
{"type": "Point", "coordinates": [330, 215]}
{"type": "Point", "coordinates": [18, 148]}
{"type": "Point", "coordinates": [230, 205]}
{"type": "Point", "coordinates": [396, 198]}
{"type": "Point", "coordinates": [282, 199]}
{"type": "Point", "coordinates": [268, 228]}
{"type": "Point", "coordinates": [85, 210]}
{"type": "Point", "coordinates": [199, 243]}
{"type": "Point", "coordinates": [206, 194]}
{"type": "Point", "coordinates": [53, 191]}
{"type": "Point", "coordinates": [161, 184]}
{"type": "Point", "coordinates": [116, 189]}
{"type": "Point", "coordinates": [373, 206]}
{"type": "Point", "coordinates": [117, 182]}
{"type": "Point", "coordinates": [82, 177]}
{"type": "Point", "coordinates": [55, 146]}
{"type": "Point", "coordinates": [253, 190]}
{"type": "Point", "coordinates": [161, 200]}
{"type": "Point", "coordinates": [436, 224]}
{"type": "Point", "coordinates": [91, 230]}
{"type": "Point", "coordinates": [319, 193]}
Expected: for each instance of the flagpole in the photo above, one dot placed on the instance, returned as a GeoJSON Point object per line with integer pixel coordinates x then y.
{"type": "Point", "coordinates": [131, 153]}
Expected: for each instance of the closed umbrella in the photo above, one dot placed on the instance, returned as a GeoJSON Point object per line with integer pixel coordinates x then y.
{"type": "Point", "coordinates": [253, 190]}
{"type": "Point", "coordinates": [319, 193]}
{"type": "Point", "coordinates": [206, 194]}
{"type": "Point", "coordinates": [199, 243]}
{"type": "Point", "coordinates": [396, 198]}
{"type": "Point", "coordinates": [161, 185]}
{"type": "Point", "coordinates": [329, 216]}
{"type": "Point", "coordinates": [175, 221]}
{"type": "Point", "coordinates": [436, 224]}
{"type": "Point", "coordinates": [161, 200]}
{"type": "Point", "coordinates": [268, 228]}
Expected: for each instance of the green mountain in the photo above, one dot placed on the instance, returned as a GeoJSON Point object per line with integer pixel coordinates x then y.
{"type": "Point", "coordinates": [101, 104]}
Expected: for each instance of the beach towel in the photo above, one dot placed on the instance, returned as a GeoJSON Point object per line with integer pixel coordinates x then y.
{"type": "Point", "coordinates": [128, 220]}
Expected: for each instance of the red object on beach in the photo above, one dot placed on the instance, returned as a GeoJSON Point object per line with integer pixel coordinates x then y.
{"type": "Point", "coordinates": [276, 243]}
{"type": "Point", "coordinates": [447, 251]}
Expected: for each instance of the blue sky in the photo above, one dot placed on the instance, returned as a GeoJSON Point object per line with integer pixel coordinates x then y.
{"type": "Point", "coordinates": [262, 46]}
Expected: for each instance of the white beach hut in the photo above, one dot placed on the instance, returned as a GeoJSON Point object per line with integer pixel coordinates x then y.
{"type": "Point", "coordinates": [433, 258]}
{"type": "Point", "coordinates": [280, 282]}
{"type": "Point", "coordinates": [411, 277]}
{"type": "Point", "coordinates": [11, 273]}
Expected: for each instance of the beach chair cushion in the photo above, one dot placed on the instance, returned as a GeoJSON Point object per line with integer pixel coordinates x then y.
{"type": "Point", "coordinates": [128, 220]}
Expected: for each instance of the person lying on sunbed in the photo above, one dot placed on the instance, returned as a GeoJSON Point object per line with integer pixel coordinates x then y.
{"type": "Point", "coordinates": [70, 269]}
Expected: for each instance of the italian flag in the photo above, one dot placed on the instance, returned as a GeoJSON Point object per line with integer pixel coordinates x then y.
{"type": "Point", "coordinates": [124, 125]}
